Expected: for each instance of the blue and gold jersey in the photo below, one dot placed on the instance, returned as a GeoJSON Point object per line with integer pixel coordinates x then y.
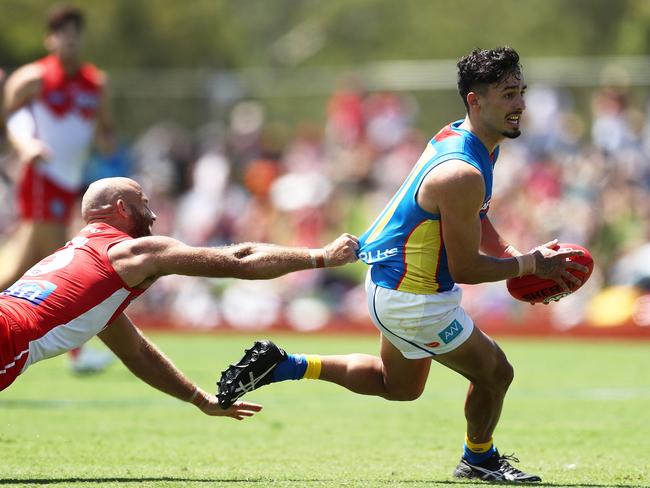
{"type": "Point", "coordinates": [405, 244]}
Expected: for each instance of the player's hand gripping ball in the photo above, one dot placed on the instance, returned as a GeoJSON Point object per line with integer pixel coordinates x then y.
{"type": "Point", "coordinates": [533, 289]}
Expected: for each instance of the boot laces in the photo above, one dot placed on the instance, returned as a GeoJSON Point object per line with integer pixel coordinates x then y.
{"type": "Point", "coordinates": [506, 467]}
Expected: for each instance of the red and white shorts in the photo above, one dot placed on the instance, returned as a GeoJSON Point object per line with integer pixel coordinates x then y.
{"type": "Point", "coordinates": [42, 200]}
{"type": "Point", "coordinates": [14, 349]}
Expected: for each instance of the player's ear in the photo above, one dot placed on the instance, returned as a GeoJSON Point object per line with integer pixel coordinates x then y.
{"type": "Point", "coordinates": [473, 100]}
{"type": "Point", "coordinates": [121, 208]}
{"type": "Point", "coordinates": [48, 42]}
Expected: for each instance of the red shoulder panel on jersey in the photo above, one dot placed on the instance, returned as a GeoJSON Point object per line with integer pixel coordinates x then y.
{"type": "Point", "coordinates": [445, 132]}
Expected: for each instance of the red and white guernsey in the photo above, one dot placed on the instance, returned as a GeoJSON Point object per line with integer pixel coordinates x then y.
{"type": "Point", "coordinates": [65, 116]}
{"type": "Point", "coordinates": [65, 299]}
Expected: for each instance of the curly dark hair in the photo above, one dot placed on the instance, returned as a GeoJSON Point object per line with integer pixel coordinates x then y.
{"type": "Point", "coordinates": [59, 15]}
{"type": "Point", "coordinates": [483, 67]}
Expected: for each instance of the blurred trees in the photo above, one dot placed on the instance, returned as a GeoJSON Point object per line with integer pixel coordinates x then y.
{"type": "Point", "coordinates": [239, 33]}
{"type": "Point", "coordinates": [182, 59]}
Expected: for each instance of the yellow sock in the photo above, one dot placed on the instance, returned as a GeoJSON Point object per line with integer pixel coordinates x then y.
{"type": "Point", "coordinates": [478, 447]}
{"type": "Point", "coordinates": [313, 367]}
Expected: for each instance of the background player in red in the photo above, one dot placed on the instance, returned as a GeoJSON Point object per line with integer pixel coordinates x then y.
{"type": "Point", "coordinates": [82, 289]}
{"type": "Point", "coordinates": [55, 107]}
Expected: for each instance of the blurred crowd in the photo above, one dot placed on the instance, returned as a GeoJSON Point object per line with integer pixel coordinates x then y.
{"type": "Point", "coordinates": [583, 179]}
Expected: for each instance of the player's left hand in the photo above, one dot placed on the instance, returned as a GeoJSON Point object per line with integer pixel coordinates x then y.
{"type": "Point", "coordinates": [238, 410]}
{"type": "Point", "coordinates": [548, 249]}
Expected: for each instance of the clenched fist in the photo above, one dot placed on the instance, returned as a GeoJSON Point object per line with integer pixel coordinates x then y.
{"type": "Point", "coordinates": [341, 251]}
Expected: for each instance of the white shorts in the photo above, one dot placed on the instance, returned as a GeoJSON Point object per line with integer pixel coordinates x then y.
{"type": "Point", "coordinates": [420, 326]}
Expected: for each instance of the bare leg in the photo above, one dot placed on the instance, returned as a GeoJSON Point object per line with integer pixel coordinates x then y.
{"type": "Point", "coordinates": [17, 255]}
{"type": "Point", "coordinates": [31, 242]}
{"type": "Point", "coordinates": [390, 376]}
{"type": "Point", "coordinates": [484, 364]}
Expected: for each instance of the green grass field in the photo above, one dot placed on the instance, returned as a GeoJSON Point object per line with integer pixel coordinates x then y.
{"type": "Point", "coordinates": [578, 413]}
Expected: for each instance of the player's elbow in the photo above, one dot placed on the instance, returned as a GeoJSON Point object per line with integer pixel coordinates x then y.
{"type": "Point", "coordinates": [239, 263]}
{"type": "Point", "coordinates": [247, 270]}
{"type": "Point", "coordinates": [464, 274]}
{"type": "Point", "coordinates": [246, 265]}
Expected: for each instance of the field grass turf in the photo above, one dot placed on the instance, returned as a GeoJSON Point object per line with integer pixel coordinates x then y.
{"type": "Point", "coordinates": [578, 413]}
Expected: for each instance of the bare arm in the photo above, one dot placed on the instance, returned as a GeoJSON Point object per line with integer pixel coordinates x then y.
{"type": "Point", "coordinates": [149, 364]}
{"type": "Point", "coordinates": [21, 88]}
{"type": "Point", "coordinates": [455, 190]}
{"type": "Point", "coordinates": [492, 243]}
{"type": "Point", "coordinates": [147, 258]}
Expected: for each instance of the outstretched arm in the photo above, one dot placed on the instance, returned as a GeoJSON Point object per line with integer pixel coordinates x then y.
{"type": "Point", "coordinates": [149, 364]}
{"type": "Point", "coordinates": [140, 260]}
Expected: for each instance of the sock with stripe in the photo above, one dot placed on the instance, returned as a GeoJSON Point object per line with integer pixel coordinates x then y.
{"type": "Point", "coordinates": [297, 367]}
{"type": "Point", "coordinates": [476, 453]}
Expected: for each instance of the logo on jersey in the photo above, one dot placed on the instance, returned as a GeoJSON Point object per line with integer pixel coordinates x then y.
{"type": "Point", "coordinates": [377, 255]}
{"type": "Point", "coordinates": [56, 98]}
{"type": "Point", "coordinates": [486, 205]}
{"type": "Point", "coordinates": [35, 292]}
{"type": "Point", "coordinates": [86, 101]}
{"type": "Point", "coordinates": [58, 260]}
{"type": "Point", "coordinates": [450, 332]}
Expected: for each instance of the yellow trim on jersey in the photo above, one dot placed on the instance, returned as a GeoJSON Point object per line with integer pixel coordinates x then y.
{"type": "Point", "coordinates": [421, 253]}
{"type": "Point", "coordinates": [383, 220]}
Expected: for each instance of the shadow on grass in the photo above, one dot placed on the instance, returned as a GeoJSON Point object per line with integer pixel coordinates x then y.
{"type": "Point", "coordinates": [53, 403]}
{"type": "Point", "coordinates": [299, 482]}
{"type": "Point", "coordinates": [53, 481]}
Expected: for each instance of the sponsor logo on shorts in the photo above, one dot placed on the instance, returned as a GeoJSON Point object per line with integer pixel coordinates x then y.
{"type": "Point", "coordinates": [450, 332]}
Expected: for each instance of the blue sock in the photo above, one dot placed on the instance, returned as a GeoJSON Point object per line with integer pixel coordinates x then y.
{"type": "Point", "coordinates": [478, 457]}
{"type": "Point", "coordinates": [292, 368]}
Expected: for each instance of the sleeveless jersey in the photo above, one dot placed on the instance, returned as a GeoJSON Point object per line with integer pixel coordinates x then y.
{"type": "Point", "coordinates": [65, 115]}
{"type": "Point", "coordinates": [68, 297]}
{"type": "Point", "coordinates": [405, 245]}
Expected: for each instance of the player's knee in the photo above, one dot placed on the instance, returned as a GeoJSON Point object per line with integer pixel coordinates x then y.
{"type": "Point", "coordinates": [498, 377]}
{"type": "Point", "coordinates": [502, 375]}
{"type": "Point", "coordinates": [506, 373]}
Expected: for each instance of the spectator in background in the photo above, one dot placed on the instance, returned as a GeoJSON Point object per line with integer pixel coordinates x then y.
{"type": "Point", "coordinates": [54, 109]}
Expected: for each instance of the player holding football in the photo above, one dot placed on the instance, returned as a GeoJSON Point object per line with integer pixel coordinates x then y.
{"type": "Point", "coordinates": [433, 233]}
{"type": "Point", "coordinates": [55, 108]}
{"type": "Point", "coordinates": [82, 289]}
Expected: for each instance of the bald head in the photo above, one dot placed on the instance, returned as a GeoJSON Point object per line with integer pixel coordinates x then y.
{"type": "Point", "coordinates": [100, 200]}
